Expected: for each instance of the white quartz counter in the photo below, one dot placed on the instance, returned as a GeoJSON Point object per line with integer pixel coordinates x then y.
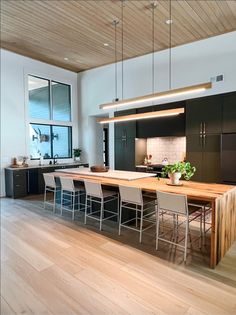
{"type": "Point", "coordinates": [124, 175]}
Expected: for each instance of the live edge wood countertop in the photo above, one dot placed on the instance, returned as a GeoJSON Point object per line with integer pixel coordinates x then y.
{"type": "Point", "coordinates": [222, 199]}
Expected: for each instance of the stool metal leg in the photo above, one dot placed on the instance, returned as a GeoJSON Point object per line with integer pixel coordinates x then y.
{"type": "Point", "coordinates": [54, 200]}
{"type": "Point", "coordinates": [157, 227]}
{"type": "Point", "coordinates": [120, 218]}
{"type": "Point", "coordinates": [44, 199]}
{"type": "Point", "coordinates": [101, 213]}
{"type": "Point", "coordinates": [61, 200]}
{"type": "Point", "coordinates": [141, 225]}
{"type": "Point", "coordinates": [86, 209]}
{"type": "Point", "coordinates": [73, 205]}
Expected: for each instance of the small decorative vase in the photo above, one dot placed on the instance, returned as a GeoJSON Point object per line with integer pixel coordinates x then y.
{"type": "Point", "coordinates": [174, 178]}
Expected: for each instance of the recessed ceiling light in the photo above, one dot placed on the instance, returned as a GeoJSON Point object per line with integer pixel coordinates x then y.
{"type": "Point", "coordinates": [169, 22]}
{"type": "Point", "coordinates": [105, 44]}
{"type": "Point", "coordinates": [66, 59]}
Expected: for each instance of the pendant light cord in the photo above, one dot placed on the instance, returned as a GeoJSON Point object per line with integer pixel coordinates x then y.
{"type": "Point", "coordinates": [116, 89]}
{"type": "Point", "coordinates": [154, 5]}
{"type": "Point", "coordinates": [170, 47]}
{"type": "Point", "coordinates": [122, 49]}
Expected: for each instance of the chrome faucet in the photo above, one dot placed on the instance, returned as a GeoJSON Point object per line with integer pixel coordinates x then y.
{"type": "Point", "coordinates": [54, 158]}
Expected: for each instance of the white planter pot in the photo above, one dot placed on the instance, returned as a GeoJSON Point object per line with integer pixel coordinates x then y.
{"type": "Point", "coordinates": [77, 158]}
{"type": "Point", "coordinates": [174, 178]}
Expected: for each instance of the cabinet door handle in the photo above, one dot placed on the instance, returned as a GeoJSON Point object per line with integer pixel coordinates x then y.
{"type": "Point", "coordinates": [204, 127]}
{"type": "Point", "coordinates": [204, 140]}
{"type": "Point", "coordinates": [200, 129]}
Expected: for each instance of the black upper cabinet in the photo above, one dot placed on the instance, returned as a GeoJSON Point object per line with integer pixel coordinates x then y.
{"type": "Point", "coordinates": [125, 129]}
{"type": "Point", "coordinates": [163, 126]}
{"type": "Point", "coordinates": [204, 115]}
{"type": "Point", "coordinates": [229, 113]}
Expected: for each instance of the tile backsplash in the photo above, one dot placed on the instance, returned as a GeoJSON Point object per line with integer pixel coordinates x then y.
{"type": "Point", "coordinates": [173, 148]}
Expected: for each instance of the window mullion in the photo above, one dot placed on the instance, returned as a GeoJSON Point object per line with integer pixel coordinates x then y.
{"type": "Point", "coordinates": [50, 98]}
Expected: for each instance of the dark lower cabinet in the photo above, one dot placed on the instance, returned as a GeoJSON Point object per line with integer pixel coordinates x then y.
{"type": "Point", "coordinates": [125, 154]}
{"type": "Point", "coordinates": [204, 154]}
{"type": "Point", "coordinates": [21, 182]}
{"type": "Point", "coordinates": [15, 183]}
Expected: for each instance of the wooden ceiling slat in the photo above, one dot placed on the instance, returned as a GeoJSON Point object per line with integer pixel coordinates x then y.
{"type": "Point", "coordinates": [52, 30]}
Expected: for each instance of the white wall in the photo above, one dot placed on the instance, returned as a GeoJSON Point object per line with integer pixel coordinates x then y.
{"type": "Point", "coordinates": [14, 114]}
{"type": "Point", "coordinates": [191, 64]}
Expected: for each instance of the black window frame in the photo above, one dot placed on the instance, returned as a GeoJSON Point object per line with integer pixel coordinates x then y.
{"type": "Point", "coordinates": [51, 141]}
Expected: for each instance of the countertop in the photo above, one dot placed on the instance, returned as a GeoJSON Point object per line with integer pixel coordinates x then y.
{"type": "Point", "coordinates": [46, 166]}
{"type": "Point", "coordinates": [111, 174]}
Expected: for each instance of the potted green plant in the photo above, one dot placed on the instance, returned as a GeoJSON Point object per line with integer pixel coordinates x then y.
{"type": "Point", "coordinates": [175, 171]}
{"type": "Point", "coordinates": [77, 153]}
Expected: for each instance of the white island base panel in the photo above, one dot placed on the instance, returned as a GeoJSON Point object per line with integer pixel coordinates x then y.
{"type": "Point", "coordinates": [110, 174]}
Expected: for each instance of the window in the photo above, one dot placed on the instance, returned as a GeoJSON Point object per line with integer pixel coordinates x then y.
{"type": "Point", "coordinates": [49, 140]}
{"type": "Point", "coordinates": [50, 128]}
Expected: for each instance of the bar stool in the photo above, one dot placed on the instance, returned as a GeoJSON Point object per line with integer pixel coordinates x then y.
{"type": "Point", "coordinates": [176, 205]}
{"type": "Point", "coordinates": [50, 186]}
{"type": "Point", "coordinates": [132, 198]}
{"type": "Point", "coordinates": [205, 208]}
{"type": "Point", "coordinates": [95, 193]}
{"type": "Point", "coordinates": [68, 189]}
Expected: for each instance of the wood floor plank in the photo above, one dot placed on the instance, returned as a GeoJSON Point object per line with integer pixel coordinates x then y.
{"type": "Point", "coordinates": [54, 266]}
{"type": "Point", "coordinates": [5, 308]}
{"type": "Point", "coordinates": [38, 261]}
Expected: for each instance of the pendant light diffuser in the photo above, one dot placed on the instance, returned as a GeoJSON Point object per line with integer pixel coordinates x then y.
{"type": "Point", "coordinates": [159, 96]}
{"type": "Point", "coordinates": [148, 115]}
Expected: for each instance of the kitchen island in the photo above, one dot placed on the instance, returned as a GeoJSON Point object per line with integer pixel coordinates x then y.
{"type": "Point", "coordinates": [222, 199]}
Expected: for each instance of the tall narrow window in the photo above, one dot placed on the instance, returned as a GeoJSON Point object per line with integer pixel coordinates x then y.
{"type": "Point", "coordinates": [50, 128]}
{"type": "Point", "coordinates": [39, 98]}
{"type": "Point", "coordinates": [61, 102]}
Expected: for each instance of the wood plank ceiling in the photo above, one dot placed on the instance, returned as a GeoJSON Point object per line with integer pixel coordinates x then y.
{"type": "Point", "coordinates": [51, 30]}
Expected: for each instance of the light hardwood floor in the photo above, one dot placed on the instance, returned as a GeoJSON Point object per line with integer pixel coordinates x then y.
{"type": "Point", "coordinates": [51, 265]}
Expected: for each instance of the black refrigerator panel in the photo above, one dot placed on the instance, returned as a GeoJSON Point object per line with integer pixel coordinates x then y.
{"type": "Point", "coordinates": [228, 158]}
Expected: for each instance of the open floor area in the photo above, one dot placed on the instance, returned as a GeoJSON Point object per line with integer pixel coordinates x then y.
{"type": "Point", "coordinates": [51, 265]}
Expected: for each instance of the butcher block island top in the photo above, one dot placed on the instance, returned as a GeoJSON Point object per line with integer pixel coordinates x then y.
{"type": "Point", "coordinates": [222, 199]}
{"type": "Point", "coordinates": [121, 175]}
{"type": "Point", "coordinates": [148, 182]}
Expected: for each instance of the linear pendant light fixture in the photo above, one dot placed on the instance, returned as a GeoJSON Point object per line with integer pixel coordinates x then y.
{"type": "Point", "coordinates": [171, 93]}
{"type": "Point", "coordinates": [159, 96]}
{"type": "Point", "coordinates": [148, 115]}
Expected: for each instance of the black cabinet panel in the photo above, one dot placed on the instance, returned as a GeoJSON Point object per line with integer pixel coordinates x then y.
{"type": "Point", "coordinates": [16, 183]}
{"type": "Point", "coordinates": [204, 114]}
{"type": "Point", "coordinates": [204, 154]}
{"type": "Point", "coordinates": [125, 129]}
{"type": "Point", "coordinates": [164, 126]}
{"type": "Point", "coordinates": [20, 182]}
{"type": "Point", "coordinates": [229, 113]}
{"type": "Point", "coordinates": [125, 154]}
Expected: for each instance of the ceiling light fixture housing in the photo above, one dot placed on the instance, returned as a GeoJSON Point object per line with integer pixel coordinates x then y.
{"type": "Point", "coordinates": [148, 115]}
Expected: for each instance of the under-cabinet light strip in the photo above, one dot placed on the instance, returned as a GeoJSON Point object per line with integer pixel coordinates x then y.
{"type": "Point", "coordinates": [148, 115]}
{"type": "Point", "coordinates": [153, 97]}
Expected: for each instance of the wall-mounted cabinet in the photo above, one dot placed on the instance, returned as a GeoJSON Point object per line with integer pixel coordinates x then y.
{"type": "Point", "coordinates": [169, 126]}
{"type": "Point", "coordinates": [204, 115]}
